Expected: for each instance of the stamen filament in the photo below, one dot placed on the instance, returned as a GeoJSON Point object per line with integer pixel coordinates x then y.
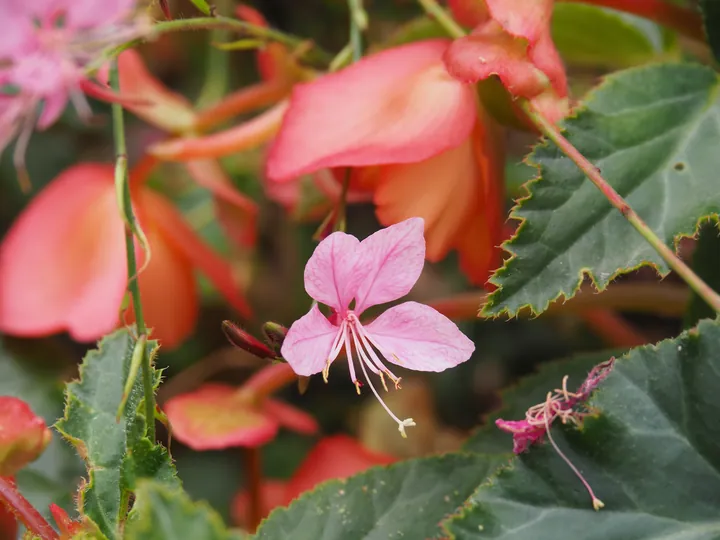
{"type": "Point", "coordinates": [334, 350]}
{"type": "Point", "coordinates": [597, 503]}
{"type": "Point", "coordinates": [402, 424]}
{"type": "Point", "coordinates": [367, 340]}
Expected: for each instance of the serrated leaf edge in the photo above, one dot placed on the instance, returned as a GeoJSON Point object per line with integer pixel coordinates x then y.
{"type": "Point", "coordinates": [484, 310]}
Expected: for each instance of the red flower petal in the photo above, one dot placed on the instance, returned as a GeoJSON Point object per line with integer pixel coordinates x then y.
{"type": "Point", "coordinates": [404, 107]}
{"type": "Point", "coordinates": [162, 108]}
{"type": "Point", "coordinates": [167, 285]}
{"type": "Point", "coordinates": [23, 435]}
{"type": "Point", "coordinates": [178, 233]}
{"type": "Point", "coordinates": [489, 50]}
{"type": "Point", "coordinates": [244, 136]}
{"type": "Point", "coordinates": [62, 265]}
{"type": "Point", "coordinates": [216, 416]}
{"type": "Point", "coordinates": [236, 212]}
{"type": "Point", "coordinates": [469, 12]}
{"type": "Point", "coordinates": [291, 417]}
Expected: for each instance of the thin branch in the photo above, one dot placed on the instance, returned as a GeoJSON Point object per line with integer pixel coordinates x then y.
{"type": "Point", "coordinates": [673, 261]}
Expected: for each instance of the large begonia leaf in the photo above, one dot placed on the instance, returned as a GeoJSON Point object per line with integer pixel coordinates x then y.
{"type": "Point", "coordinates": [651, 453]}
{"type": "Point", "coordinates": [652, 133]}
{"type": "Point", "coordinates": [404, 500]}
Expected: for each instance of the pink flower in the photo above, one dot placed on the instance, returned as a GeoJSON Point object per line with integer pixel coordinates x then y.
{"type": "Point", "coordinates": [46, 47]}
{"type": "Point", "coordinates": [561, 405]}
{"type": "Point", "coordinates": [351, 276]}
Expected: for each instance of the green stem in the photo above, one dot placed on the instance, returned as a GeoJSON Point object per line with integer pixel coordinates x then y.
{"type": "Point", "coordinates": [216, 72]}
{"type": "Point", "coordinates": [673, 261]}
{"type": "Point", "coordinates": [312, 54]}
{"type": "Point", "coordinates": [358, 23]}
{"type": "Point", "coordinates": [125, 204]}
{"type": "Point", "coordinates": [435, 11]}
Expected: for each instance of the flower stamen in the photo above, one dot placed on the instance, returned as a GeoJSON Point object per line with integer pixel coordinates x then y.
{"type": "Point", "coordinates": [402, 424]}
{"type": "Point", "coordinates": [547, 413]}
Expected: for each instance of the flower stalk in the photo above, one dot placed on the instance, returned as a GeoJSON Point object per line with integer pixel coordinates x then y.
{"type": "Point", "coordinates": [25, 512]}
{"type": "Point", "coordinates": [548, 129]}
{"type": "Point", "coordinates": [125, 203]}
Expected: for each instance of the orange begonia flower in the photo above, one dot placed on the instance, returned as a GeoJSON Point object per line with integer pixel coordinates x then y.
{"type": "Point", "coordinates": [418, 140]}
{"type": "Point", "coordinates": [63, 262]}
{"type": "Point", "coordinates": [335, 457]}
{"type": "Point", "coordinates": [511, 40]}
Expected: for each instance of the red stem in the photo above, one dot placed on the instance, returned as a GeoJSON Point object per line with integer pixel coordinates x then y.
{"type": "Point", "coordinates": [24, 511]}
{"type": "Point", "coordinates": [253, 480]}
{"type": "Point", "coordinates": [678, 18]}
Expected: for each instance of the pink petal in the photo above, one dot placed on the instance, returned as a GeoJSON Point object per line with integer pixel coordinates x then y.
{"type": "Point", "coordinates": [89, 13]}
{"type": "Point", "coordinates": [335, 271]}
{"type": "Point", "coordinates": [62, 265]}
{"type": "Point", "coordinates": [291, 417]}
{"type": "Point", "coordinates": [393, 260]}
{"type": "Point", "coordinates": [415, 336]}
{"type": "Point", "coordinates": [308, 342]}
{"type": "Point", "coordinates": [396, 106]}
{"type": "Point", "coordinates": [53, 107]}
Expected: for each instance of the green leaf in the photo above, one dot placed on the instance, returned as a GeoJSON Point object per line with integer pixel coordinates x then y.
{"type": "Point", "coordinates": [711, 17]}
{"type": "Point", "coordinates": [163, 513]}
{"type": "Point", "coordinates": [202, 6]}
{"type": "Point", "coordinates": [587, 35]}
{"type": "Point", "coordinates": [652, 454]}
{"type": "Point", "coordinates": [115, 450]}
{"type": "Point", "coordinates": [706, 261]}
{"type": "Point", "coordinates": [530, 391]}
{"type": "Point", "coordinates": [653, 134]}
{"type": "Point", "coordinates": [407, 499]}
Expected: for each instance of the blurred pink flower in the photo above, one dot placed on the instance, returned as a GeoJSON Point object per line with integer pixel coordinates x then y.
{"type": "Point", "coordinates": [380, 269]}
{"type": "Point", "coordinates": [46, 47]}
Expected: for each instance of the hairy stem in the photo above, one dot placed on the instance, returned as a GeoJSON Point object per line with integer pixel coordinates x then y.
{"type": "Point", "coordinates": [312, 54]}
{"type": "Point", "coordinates": [132, 267]}
{"type": "Point", "coordinates": [678, 18]}
{"type": "Point", "coordinates": [253, 480]}
{"type": "Point", "coordinates": [673, 261]}
{"type": "Point", "coordinates": [216, 71]}
{"type": "Point", "coordinates": [11, 498]}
